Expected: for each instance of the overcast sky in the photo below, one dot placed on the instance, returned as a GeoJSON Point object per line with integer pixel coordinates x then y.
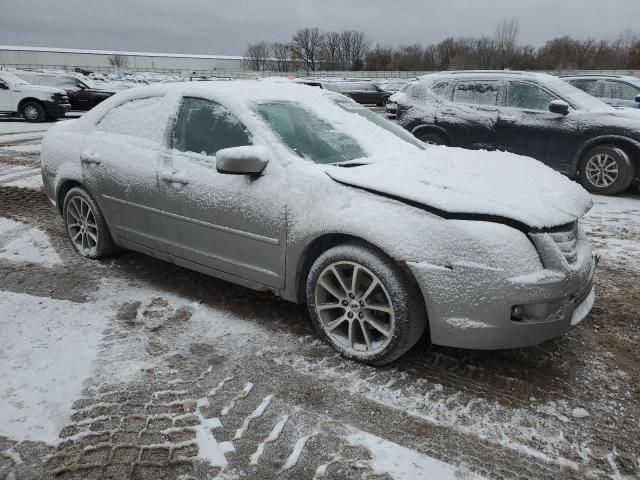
{"type": "Point", "coordinates": [227, 26]}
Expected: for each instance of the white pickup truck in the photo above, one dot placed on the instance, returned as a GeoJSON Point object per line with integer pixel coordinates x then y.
{"type": "Point", "coordinates": [35, 103]}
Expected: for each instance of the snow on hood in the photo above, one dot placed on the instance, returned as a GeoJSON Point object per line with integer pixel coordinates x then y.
{"type": "Point", "coordinates": [40, 88]}
{"type": "Point", "coordinates": [468, 182]}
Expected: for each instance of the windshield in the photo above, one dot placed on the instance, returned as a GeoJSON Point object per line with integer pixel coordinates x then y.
{"type": "Point", "coordinates": [398, 131]}
{"type": "Point", "coordinates": [12, 79]}
{"type": "Point", "coordinates": [309, 136]}
{"type": "Point", "coordinates": [576, 97]}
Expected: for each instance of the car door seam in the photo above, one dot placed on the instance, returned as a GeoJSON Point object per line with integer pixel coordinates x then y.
{"type": "Point", "coordinates": [253, 236]}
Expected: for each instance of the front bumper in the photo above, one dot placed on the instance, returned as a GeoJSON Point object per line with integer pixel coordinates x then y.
{"type": "Point", "coordinates": [471, 306]}
{"type": "Point", "coordinates": [56, 110]}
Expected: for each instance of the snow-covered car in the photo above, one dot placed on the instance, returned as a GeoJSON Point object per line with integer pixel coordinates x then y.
{"type": "Point", "coordinates": [299, 191]}
{"type": "Point", "coordinates": [616, 90]}
{"type": "Point", "coordinates": [35, 103]}
{"type": "Point", "coordinates": [391, 108]}
{"type": "Point", "coordinates": [531, 114]}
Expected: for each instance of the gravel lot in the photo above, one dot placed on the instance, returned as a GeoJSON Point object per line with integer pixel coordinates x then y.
{"type": "Point", "coordinates": [134, 368]}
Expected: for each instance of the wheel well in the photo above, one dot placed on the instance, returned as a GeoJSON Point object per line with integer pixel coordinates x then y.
{"type": "Point", "coordinates": [29, 99]}
{"type": "Point", "coordinates": [63, 189]}
{"type": "Point", "coordinates": [431, 129]}
{"type": "Point", "coordinates": [320, 245]}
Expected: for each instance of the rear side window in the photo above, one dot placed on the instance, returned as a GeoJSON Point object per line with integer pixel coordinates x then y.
{"type": "Point", "coordinates": [205, 127]}
{"type": "Point", "coordinates": [528, 96]}
{"type": "Point", "coordinates": [620, 90]}
{"type": "Point", "coordinates": [145, 118]}
{"type": "Point", "coordinates": [589, 86]}
{"type": "Point", "coordinates": [441, 89]}
{"type": "Point", "coordinates": [477, 92]}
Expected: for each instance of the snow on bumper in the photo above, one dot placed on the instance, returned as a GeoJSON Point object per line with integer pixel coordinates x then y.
{"type": "Point", "coordinates": [472, 305]}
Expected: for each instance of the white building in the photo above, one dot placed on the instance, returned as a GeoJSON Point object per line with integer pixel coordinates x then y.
{"type": "Point", "coordinates": [102, 60]}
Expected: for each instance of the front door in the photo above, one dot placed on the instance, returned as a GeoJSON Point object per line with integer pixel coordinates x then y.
{"type": "Point", "coordinates": [234, 224]}
{"type": "Point", "coordinates": [120, 161]}
{"type": "Point", "coordinates": [5, 97]}
{"type": "Point", "coordinates": [527, 127]}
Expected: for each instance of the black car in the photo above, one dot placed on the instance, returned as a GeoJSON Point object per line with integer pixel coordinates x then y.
{"type": "Point", "coordinates": [81, 95]}
{"type": "Point", "coordinates": [365, 93]}
{"type": "Point", "coordinates": [531, 114]}
{"type": "Point", "coordinates": [616, 90]}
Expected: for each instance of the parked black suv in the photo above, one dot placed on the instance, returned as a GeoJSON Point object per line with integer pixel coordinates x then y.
{"type": "Point", "coordinates": [81, 96]}
{"type": "Point", "coordinates": [365, 93]}
{"type": "Point", "coordinates": [530, 114]}
{"type": "Point", "coordinates": [616, 90]}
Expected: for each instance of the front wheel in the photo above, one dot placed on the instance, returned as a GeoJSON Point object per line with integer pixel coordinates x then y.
{"type": "Point", "coordinates": [86, 227]}
{"type": "Point", "coordinates": [431, 138]}
{"type": "Point", "coordinates": [606, 169]}
{"type": "Point", "coordinates": [33, 112]}
{"type": "Point", "coordinates": [364, 305]}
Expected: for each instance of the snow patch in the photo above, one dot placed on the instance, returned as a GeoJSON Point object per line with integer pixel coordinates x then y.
{"type": "Point", "coordinates": [402, 463]}
{"type": "Point", "coordinates": [47, 348]}
{"type": "Point", "coordinates": [20, 242]}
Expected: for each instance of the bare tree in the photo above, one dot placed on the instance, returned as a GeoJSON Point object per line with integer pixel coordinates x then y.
{"type": "Point", "coordinates": [306, 47]}
{"type": "Point", "coordinates": [282, 57]}
{"type": "Point", "coordinates": [257, 56]}
{"type": "Point", "coordinates": [506, 39]}
{"type": "Point", "coordinates": [119, 61]}
{"type": "Point", "coordinates": [331, 48]}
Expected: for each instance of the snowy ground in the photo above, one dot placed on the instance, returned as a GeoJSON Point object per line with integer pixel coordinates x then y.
{"type": "Point", "coordinates": [133, 368]}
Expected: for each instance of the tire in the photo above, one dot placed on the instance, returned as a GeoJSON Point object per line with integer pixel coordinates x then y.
{"type": "Point", "coordinates": [349, 327]}
{"type": "Point", "coordinates": [383, 102]}
{"type": "Point", "coordinates": [85, 225]}
{"type": "Point", "coordinates": [431, 138]}
{"type": "Point", "coordinates": [33, 112]}
{"type": "Point", "coordinates": [606, 169]}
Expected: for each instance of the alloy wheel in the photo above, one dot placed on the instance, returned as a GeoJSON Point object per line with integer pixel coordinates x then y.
{"type": "Point", "coordinates": [81, 225]}
{"type": "Point", "coordinates": [354, 307]}
{"type": "Point", "coordinates": [602, 170]}
{"type": "Point", "coordinates": [31, 112]}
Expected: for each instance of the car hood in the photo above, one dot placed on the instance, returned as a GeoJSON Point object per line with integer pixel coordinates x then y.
{"type": "Point", "coordinates": [25, 87]}
{"type": "Point", "coordinates": [467, 184]}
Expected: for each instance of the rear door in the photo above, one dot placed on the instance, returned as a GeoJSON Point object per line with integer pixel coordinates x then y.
{"type": "Point", "coordinates": [527, 127]}
{"type": "Point", "coordinates": [234, 224]}
{"type": "Point", "coordinates": [470, 118]}
{"type": "Point", "coordinates": [119, 161]}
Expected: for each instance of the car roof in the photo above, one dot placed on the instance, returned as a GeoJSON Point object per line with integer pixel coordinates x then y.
{"type": "Point", "coordinates": [485, 74]}
{"type": "Point", "coordinates": [587, 76]}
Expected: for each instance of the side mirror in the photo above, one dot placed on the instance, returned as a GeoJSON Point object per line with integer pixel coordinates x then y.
{"type": "Point", "coordinates": [248, 160]}
{"type": "Point", "coordinates": [638, 99]}
{"type": "Point", "coordinates": [559, 106]}
{"type": "Point", "coordinates": [3, 86]}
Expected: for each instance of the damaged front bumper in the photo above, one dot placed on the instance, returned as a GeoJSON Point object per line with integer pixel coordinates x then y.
{"type": "Point", "coordinates": [479, 307]}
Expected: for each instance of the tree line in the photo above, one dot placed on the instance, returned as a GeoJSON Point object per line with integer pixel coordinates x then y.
{"type": "Point", "coordinates": [311, 49]}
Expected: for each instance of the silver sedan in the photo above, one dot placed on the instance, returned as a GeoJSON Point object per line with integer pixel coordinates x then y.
{"type": "Point", "coordinates": [301, 192]}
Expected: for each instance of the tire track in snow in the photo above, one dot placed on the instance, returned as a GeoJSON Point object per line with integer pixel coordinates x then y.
{"type": "Point", "coordinates": [273, 436]}
{"type": "Point", "coordinates": [245, 391]}
{"type": "Point", "coordinates": [296, 452]}
{"type": "Point", "coordinates": [255, 414]}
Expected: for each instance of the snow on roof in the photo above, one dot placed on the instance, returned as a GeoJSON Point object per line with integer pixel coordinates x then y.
{"type": "Point", "coordinates": [16, 48]}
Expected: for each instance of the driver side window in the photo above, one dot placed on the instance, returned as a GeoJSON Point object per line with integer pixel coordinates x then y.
{"type": "Point", "coordinates": [527, 96]}
{"type": "Point", "coordinates": [205, 127]}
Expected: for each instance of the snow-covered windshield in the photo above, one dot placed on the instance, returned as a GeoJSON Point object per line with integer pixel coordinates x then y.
{"type": "Point", "coordinates": [12, 79]}
{"type": "Point", "coordinates": [309, 136]}
{"type": "Point", "coordinates": [576, 97]}
{"type": "Point", "coordinates": [376, 119]}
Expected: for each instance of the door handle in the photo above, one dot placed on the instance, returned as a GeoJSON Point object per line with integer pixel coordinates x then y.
{"type": "Point", "coordinates": [509, 119]}
{"type": "Point", "coordinates": [448, 111]}
{"type": "Point", "coordinates": [89, 158]}
{"type": "Point", "coordinates": [168, 178]}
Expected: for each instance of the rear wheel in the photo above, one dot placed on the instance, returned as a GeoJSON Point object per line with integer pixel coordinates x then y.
{"type": "Point", "coordinates": [33, 112]}
{"type": "Point", "coordinates": [86, 227]}
{"type": "Point", "coordinates": [606, 169]}
{"type": "Point", "coordinates": [431, 138]}
{"type": "Point", "coordinates": [364, 305]}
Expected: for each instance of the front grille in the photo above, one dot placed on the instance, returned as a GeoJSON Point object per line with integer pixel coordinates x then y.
{"type": "Point", "coordinates": [566, 238]}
